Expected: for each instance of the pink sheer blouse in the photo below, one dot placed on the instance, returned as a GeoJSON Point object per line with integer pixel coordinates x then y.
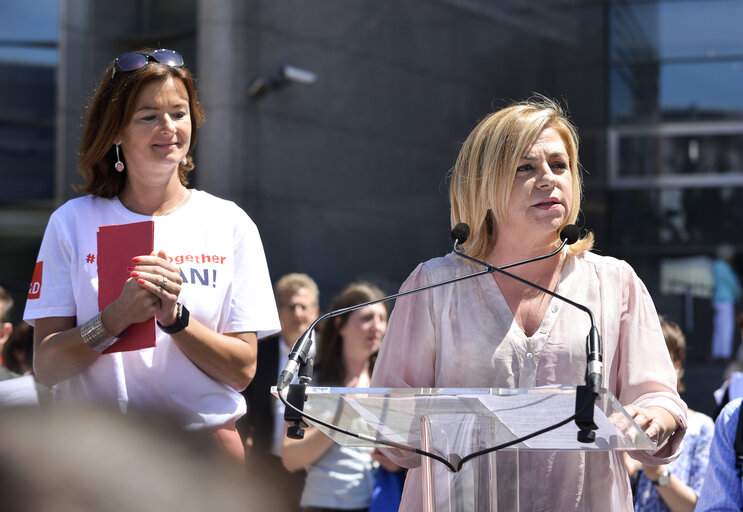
{"type": "Point", "coordinates": [464, 335]}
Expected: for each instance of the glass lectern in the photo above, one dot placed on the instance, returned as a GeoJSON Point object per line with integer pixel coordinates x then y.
{"type": "Point", "coordinates": [453, 423]}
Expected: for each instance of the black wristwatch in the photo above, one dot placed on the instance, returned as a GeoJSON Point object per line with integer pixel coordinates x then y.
{"type": "Point", "coordinates": [181, 320]}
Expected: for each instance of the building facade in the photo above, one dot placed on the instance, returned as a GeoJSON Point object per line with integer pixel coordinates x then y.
{"type": "Point", "coordinates": [344, 168]}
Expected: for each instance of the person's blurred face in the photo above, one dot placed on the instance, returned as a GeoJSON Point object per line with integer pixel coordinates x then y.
{"type": "Point", "coordinates": [363, 331]}
{"type": "Point", "coordinates": [5, 327]}
{"type": "Point", "coordinates": [297, 310]}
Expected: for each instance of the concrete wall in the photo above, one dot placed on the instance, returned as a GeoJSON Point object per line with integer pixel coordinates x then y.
{"type": "Point", "coordinates": [346, 178]}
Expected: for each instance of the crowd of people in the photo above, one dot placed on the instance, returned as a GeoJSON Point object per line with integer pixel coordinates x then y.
{"type": "Point", "coordinates": [174, 341]}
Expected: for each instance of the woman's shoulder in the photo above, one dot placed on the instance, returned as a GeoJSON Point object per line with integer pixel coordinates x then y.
{"type": "Point", "coordinates": [443, 266]}
{"type": "Point", "coordinates": [84, 206]}
{"type": "Point", "coordinates": [205, 198]}
{"type": "Point", "coordinates": [605, 265]}
{"type": "Point", "coordinates": [593, 258]}
{"type": "Point", "coordinates": [209, 204]}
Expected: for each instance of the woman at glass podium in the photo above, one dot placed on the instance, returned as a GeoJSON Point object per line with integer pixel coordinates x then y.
{"type": "Point", "coordinates": [516, 183]}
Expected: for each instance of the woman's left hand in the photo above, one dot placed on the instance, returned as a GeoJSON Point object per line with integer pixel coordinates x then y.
{"type": "Point", "coordinates": [162, 278]}
{"type": "Point", "coordinates": [657, 423]}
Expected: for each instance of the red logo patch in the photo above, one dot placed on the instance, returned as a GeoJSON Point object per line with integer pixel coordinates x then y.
{"type": "Point", "coordinates": [35, 291]}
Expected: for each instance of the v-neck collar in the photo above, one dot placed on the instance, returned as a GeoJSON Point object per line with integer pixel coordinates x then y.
{"type": "Point", "coordinates": [501, 308]}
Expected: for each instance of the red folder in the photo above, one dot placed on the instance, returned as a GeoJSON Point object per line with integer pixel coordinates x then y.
{"type": "Point", "coordinates": [117, 245]}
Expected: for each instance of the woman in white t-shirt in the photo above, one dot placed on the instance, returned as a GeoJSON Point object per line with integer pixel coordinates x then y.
{"type": "Point", "coordinates": [205, 284]}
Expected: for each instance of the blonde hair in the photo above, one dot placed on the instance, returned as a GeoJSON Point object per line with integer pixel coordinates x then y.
{"type": "Point", "coordinates": [484, 172]}
{"type": "Point", "coordinates": [292, 283]}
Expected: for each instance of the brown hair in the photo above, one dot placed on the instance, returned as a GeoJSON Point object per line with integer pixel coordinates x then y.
{"type": "Point", "coordinates": [676, 343]}
{"type": "Point", "coordinates": [19, 343]}
{"type": "Point", "coordinates": [6, 305]}
{"type": "Point", "coordinates": [483, 175]}
{"type": "Point", "coordinates": [331, 368]}
{"type": "Point", "coordinates": [109, 111]}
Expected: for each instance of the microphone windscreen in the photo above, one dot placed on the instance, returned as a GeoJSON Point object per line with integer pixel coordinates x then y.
{"type": "Point", "coordinates": [460, 233]}
{"type": "Point", "coordinates": [570, 234]}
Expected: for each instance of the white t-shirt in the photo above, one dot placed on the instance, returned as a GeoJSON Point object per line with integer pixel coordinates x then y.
{"type": "Point", "coordinates": [226, 287]}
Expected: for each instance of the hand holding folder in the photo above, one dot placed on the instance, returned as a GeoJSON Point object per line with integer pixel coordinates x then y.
{"type": "Point", "coordinates": [117, 245]}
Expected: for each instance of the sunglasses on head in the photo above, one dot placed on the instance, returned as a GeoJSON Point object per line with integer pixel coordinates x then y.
{"type": "Point", "coordinates": [131, 61]}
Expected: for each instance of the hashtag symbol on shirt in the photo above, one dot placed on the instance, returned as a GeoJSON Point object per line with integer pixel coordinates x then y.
{"type": "Point", "coordinates": [90, 258]}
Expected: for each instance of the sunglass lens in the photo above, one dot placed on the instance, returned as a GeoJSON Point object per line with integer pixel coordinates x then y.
{"type": "Point", "coordinates": [168, 57]}
{"type": "Point", "coordinates": [131, 61]}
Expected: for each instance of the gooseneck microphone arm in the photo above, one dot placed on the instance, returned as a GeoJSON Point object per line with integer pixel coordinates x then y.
{"type": "Point", "coordinates": [594, 357]}
{"type": "Point", "coordinates": [298, 354]}
{"type": "Point", "coordinates": [460, 233]}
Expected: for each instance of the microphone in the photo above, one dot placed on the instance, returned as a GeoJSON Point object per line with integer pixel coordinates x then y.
{"type": "Point", "coordinates": [460, 233]}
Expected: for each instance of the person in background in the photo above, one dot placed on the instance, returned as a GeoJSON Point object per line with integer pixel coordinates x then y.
{"type": "Point", "coordinates": [725, 294]}
{"type": "Point", "coordinates": [723, 483]}
{"type": "Point", "coordinates": [732, 377]}
{"type": "Point", "coordinates": [18, 350]}
{"type": "Point", "coordinates": [516, 183]}
{"type": "Point", "coordinates": [6, 326]}
{"type": "Point", "coordinates": [297, 299]}
{"type": "Point", "coordinates": [340, 477]}
{"type": "Point", "coordinates": [675, 486]}
{"type": "Point", "coordinates": [206, 284]}
{"type": "Point", "coordinates": [17, 355]}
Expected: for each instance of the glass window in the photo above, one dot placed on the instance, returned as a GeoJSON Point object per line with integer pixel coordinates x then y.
{"type": "Point", "coordinates": [702, 29]}
{"type": "Point", "coordinates": [28, 78]}
{"type": "Point", "coordinates": [655, 155]}
{"type": "Point", "coordinates": [677, 92]}
{"type": "Point", "coordinates": [676, 217]}
{"type": "Point", "coordinates": [676, 60]}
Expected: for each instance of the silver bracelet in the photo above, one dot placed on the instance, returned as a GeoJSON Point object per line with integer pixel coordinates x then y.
{"type": "Point", "coordinates": [96, 336]}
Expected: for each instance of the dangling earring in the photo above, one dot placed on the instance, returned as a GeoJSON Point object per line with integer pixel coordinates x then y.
{"type": "Point", "coordinates": [185, 160]}
{"type": "Point", "coordinates": [119, 165]}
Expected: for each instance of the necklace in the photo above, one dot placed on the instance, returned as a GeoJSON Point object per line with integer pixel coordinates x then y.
{"type": "Point", "coordinates": [186, 195]}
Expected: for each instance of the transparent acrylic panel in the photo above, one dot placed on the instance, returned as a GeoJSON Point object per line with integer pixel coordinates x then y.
{"type": "Point", "coordinates": [452, 424]}
{"type": "Point", "coordinates": [394, 415]}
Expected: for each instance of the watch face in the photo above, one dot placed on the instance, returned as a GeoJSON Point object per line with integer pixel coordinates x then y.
{"type": "Point", "coordinates": [663, 479]}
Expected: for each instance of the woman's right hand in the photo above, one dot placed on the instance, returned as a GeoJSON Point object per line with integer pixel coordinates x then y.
{"type": "Point", "coordinates": [134, 305]}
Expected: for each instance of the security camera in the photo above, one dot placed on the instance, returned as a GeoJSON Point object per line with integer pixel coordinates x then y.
{"type": "Point", "coordinates": [279, 79]}
{"type": "Point", "coordinates": [298, 76]}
